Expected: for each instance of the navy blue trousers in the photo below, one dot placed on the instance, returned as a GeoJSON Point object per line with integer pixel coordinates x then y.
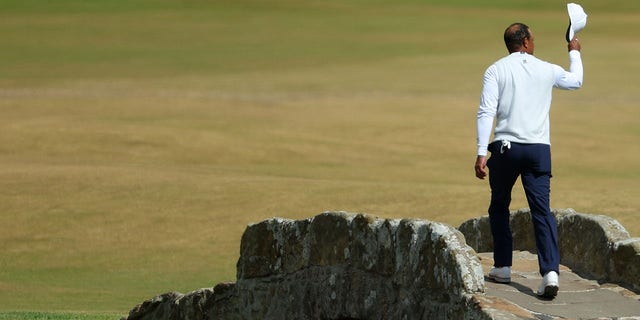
{"type": "Point", "coordinates": [532, 162]}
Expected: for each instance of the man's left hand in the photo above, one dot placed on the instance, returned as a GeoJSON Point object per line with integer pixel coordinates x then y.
{"type": "Point", "coordinates": [481, 167]}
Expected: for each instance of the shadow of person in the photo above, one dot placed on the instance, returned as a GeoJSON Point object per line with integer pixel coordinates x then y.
{"type": "Point", "coordinates": [521, 288]}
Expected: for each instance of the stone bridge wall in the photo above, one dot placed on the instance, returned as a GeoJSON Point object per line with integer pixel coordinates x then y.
{"type": "Point", "coordinates": [339, 266]}
{"type": "Point", "coordinates": [596, 246]}
{"type": "Point", "coordinates": [347, 266]}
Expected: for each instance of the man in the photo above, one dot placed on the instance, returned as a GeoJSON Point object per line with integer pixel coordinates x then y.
{"type": "Point", "coordinates": [517, 93]}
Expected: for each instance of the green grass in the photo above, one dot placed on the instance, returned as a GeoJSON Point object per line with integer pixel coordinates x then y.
{"type": "Point", "coordinates": [56, 316]}
{"type": "Point", "coordinates": [139, 138]}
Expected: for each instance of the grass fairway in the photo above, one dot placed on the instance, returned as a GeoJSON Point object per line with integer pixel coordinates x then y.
{"type": "Point", "coordinates": [139, 138]}
{"type": "Point", "coordinates": [17, 315]}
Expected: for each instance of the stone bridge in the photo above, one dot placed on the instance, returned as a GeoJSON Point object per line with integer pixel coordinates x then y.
{"type": "Point", "coordinates": [338, 265]}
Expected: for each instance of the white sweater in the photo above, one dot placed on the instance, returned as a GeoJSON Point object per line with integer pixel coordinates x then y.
{"type": "Point", "coordinates": [517, 92]}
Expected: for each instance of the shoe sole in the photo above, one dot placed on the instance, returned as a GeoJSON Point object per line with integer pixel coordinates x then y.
{"type": "Point", "coordinates": [550, 292]}
{"type": "Point", "coordinates": [499, 279]}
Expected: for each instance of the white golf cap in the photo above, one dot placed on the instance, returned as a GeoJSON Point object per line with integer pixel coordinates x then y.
{"type": "Point", "coordinates": [577, 20]}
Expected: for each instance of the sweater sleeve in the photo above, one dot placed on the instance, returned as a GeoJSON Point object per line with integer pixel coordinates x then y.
{"type": "Point", "coordinates": [487, 109]}
{"type": "Point", "coordinates": [572, 79]}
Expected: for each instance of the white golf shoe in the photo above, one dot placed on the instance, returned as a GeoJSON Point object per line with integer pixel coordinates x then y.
{"type": "Point", "coordinates": [502, 274]}
{"type": "Point", "coordinates": [549, 286]}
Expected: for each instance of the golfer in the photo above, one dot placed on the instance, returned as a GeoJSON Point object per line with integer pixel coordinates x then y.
{"type": "Point", "coordinates": [517, 93]}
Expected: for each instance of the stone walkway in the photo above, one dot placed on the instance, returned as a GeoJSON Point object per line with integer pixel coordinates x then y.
{"type": "Point", "coordinates": [578, 298]}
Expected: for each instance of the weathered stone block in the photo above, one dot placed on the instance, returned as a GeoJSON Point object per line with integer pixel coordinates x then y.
{"type": "Point", "coordinates": [363, 250]}
{"type": "Point", "coordinates": [258, 252]}
{"type": "Point", "coordinates": [477, 232]}
{"type": "Point", "coordinates": [156, 308]}
{"type": "Point", "coordinates": [173, 306]}
{"type": "Point", "coordinates": [386, 239]}
{"type": "Point", "coordinates": [329, 239]}
{"type": "Point", "coordinates": [291, 242]}
{"type": "Point", "coordinates": [586, 242]}
{"type": "Point", "coordinates": [522, 230]}
{"type": "Point", "coordinates": [626, 258]}
{"type": "Point", "coordinates": [192, 305]}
